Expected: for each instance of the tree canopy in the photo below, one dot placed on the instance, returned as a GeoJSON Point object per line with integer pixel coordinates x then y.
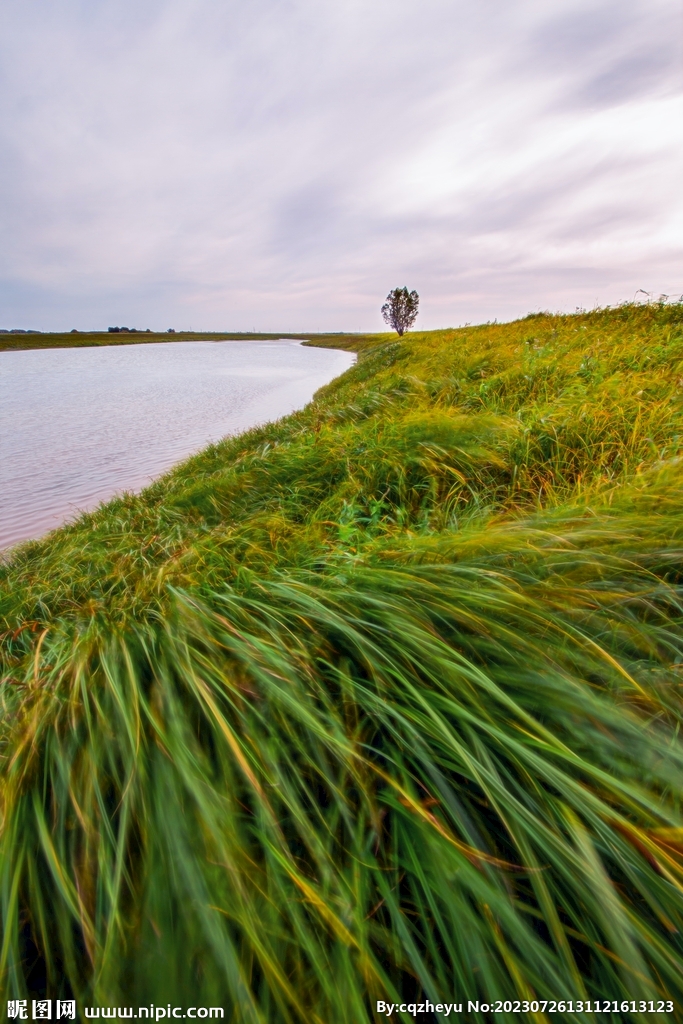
{"type": "Point", "coordinates": [400, 309]}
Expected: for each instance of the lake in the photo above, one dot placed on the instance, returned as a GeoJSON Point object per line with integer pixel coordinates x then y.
{"type": "Point", "coordinates": [80, 425]}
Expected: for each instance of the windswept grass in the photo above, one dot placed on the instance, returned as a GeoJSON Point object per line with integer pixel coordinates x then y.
{"type": "Point", "coordinates": [381, 701]}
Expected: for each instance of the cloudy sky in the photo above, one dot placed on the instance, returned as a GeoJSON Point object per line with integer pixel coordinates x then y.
{"type": "Point", "coordinates": [281, 164]}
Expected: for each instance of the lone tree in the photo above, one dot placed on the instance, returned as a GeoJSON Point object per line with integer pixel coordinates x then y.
{"type": "Point", "coordinates": [400, 309]}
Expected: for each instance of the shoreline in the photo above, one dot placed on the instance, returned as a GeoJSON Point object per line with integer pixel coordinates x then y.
{"type": "Point", "coordinates": [94, 339]}
{"type": "Point", "coordinates": [119, 398]}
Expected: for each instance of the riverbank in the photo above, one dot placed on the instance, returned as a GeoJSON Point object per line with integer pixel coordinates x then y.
{"type": "Point", "coordinates": [378, 702]}
{"type": "Point", "coordinates": [96, 339]}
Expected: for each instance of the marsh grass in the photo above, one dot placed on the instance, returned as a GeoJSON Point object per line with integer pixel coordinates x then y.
{"type": "Point", "coordinates": [381, 701]}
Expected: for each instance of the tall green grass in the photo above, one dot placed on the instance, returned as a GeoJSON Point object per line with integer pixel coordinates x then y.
{"type": "Point", "coordinates": [381, 701]}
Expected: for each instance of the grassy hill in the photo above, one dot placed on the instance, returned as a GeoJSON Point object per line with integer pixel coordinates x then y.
{"type": "Point", "coordinates": [378, 702]}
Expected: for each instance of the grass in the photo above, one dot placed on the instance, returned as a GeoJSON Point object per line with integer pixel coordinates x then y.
{"type": "Point", "coordinates": [381, 701]}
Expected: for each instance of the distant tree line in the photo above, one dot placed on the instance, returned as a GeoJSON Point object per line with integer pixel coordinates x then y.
{"type": "Point", "coordinates": [128, 330]}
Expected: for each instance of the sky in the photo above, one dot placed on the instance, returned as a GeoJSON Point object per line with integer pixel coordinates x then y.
{"type": "Point", "coordinates": [280, 165]}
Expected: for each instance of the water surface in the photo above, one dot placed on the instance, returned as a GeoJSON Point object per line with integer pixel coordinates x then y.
{"type": "Point", "coordinates": [78, 425]}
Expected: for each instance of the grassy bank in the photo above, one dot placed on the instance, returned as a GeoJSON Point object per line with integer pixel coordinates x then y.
{"type": "Point", "coordinates": [381, 701]}
{"type": "Point", "coordinates": [94, 339]}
